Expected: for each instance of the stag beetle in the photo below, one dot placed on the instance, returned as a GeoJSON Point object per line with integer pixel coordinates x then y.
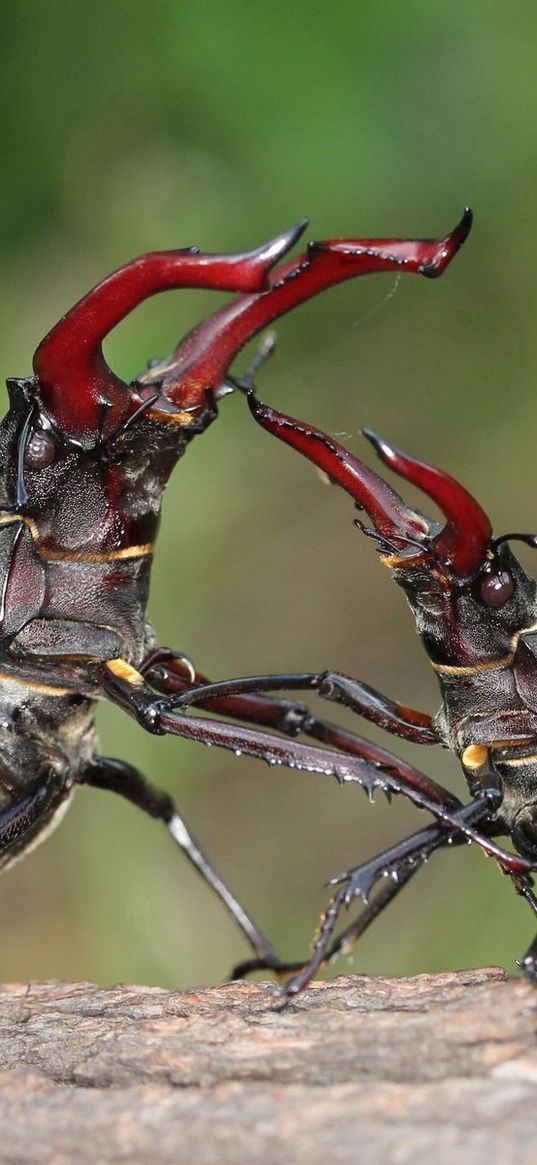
{"type": "Point", "coordinates": [84, 461]}
{"type": "Point", "coordinates": [475, 610]}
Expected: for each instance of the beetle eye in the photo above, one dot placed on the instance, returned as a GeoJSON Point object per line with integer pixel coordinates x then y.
{"type": "Point", "coordinates": [496, 588]}
{"type": "Point", "coordinates": [40, 450]}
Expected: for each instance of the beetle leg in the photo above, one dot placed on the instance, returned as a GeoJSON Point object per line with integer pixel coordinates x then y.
{"type": "Point", "coordinates": [330, 685]}
{"type": "Point", "coordinates": [397, 863]}
{"type": "Point", "coordinates": [118, 777]}
{"type": "Point", "coordinates": [359, 881]}
{"type": "Point", "coordinates": [368, 765]}
{"type": "Point", "coordinates": [373, 769]}
{"type": "Point", "coordinates": [166, 671]}
{"type": "Point", "coordinates": [346, 940]}
{"type": "Point", "coordinates": [21, 822]}
{"type": "Point", "coordinates": [379, 709]}
{"type": "Point", "coordinates": [528, 965]}
{"type": "Point", "coordinates": [350, 935]}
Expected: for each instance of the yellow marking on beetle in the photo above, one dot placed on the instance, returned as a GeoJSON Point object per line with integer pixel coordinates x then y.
{"type": "Point", "coordinates": [47, 689]}
{"type": "Point", "coordinates": [396, 560]}
{"type": "Point", "coordinates": [445, 669]}
{"type": "Point", "coordinates": [475, 756]}
{"type": "Point", "coordinates": [125, 671]}
{"type": "Point", "coordinates": [182, 417]}
{"type": "Point", "coordinates": [113, 556]}
{"type": "Point", "coordinates": [142, 551]}
{"type": "Point", "coordinates": [520, 760]}
{"type": "Point", "coordinates": [9, 519]}
{"type": "Point", "coordinates": [512, 742]}
{"type": "Point", "coordinates": [519, 712]}
{"type": "Point", "coordinates": [491, 664]}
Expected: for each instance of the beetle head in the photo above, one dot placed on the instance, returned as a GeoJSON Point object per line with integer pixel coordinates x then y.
{"type": "Point", "coordinates": [469, 594]}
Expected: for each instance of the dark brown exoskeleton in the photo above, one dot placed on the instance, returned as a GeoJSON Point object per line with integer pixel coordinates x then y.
{"type": "Point", "coordinates": [476, 612]}
{"type": "Point", "coordinates": [84, 462]}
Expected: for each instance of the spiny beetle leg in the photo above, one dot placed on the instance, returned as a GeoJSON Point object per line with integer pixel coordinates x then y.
{"type": "Point", "coordinates": [119, 777]}
{"type": "Point", "coordinates": [368, 765]}
{"type": "Point", "coordinates": [349, 936]}
{"type": "Point", "coordinates": [528, 965]}
{"type": "Point", "coordinates": [361, 879]}
{"type": "Point", "coordinates": [334, 686]}
{"type": "Point", "coordinates": [286, 716]}
{"type": "Point", "coordinates": [127, 688]}
{"type": "Point", "coordinates": [397, 863]}
{"type": "Point", "coordinates": [222, 692]}
{"type": "Point", "coordinates": [165, 670]}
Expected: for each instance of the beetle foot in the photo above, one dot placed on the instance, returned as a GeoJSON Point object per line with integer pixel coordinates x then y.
{"type": "Point", "coordinates": [361, 880]}
{"type": "Point", "coordinates": [280, 969]}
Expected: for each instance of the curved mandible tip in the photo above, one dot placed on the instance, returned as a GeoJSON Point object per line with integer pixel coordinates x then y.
{"type": "Point", "coordinates": [451, 244]}
{"type": "Point", "coordinates": [76, 384]}
{"type": "Point", "coordinates": [204, 356]}
{"type": "Point", "coordinates": [392, 519]}
{"type": "Point", "coordinates": [463, 543]}
{"type": "Point", "coordinates": [428, 257]}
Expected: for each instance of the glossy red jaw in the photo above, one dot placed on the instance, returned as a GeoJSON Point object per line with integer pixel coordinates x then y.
{"type": "Point", "coordinates": [86, 399]}
{"type": "Point", "coordinates": [461, 545]}
{"type": "Point", "coordinates": [82, 394]}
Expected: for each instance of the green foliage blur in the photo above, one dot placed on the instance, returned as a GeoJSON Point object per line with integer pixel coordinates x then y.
{"type": "Point", "coordinates": [129, 126]}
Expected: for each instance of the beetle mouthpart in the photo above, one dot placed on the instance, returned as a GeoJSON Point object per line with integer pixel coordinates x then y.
{"type": "Point", "coordinates": [452, 244]}
{"type": "Point", "coordinates": [428, 257]}
{"type": "Point", "coordinates": [205, 355]}
{"type": "Point", "coordinates": [463, 543]}
{"type": "Point", "coordinates": [84, 396]}
{"type": "Point", "coordinates": [386, 509]}
{"type": "Point", "coordinates": [75, 381]}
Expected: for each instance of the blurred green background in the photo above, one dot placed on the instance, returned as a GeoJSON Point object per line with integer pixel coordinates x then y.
{"type": "Point", "coordinates": [129, 126]}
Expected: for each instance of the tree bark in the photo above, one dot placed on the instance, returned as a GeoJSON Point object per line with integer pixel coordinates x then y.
{"type": "Point", "coordinates": [436, 1068]}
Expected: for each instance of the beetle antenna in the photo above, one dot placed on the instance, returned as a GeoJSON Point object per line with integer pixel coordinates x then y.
{"type": "Point", "coordinates": [384, 544]}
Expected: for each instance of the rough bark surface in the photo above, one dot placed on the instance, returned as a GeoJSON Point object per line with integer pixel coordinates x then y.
{"type": "Point", "coordinates": [436, 1068]}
